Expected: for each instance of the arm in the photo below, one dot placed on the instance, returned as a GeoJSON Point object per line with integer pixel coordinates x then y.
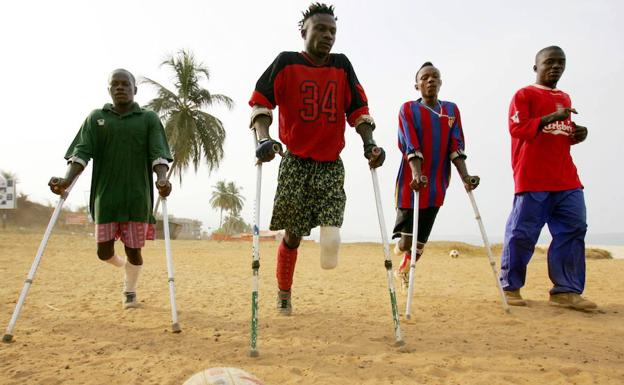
{"type": "Point", "coordinates": [375, 155]}
{"type": "Point", "coordinates": [457, 154]}
{"type": "Point", "coordinates": [59, 185]}
{"type": "Point", "coordinates": [162, 183]}
{"type": "Point", "coordinates": [470, 181]}
{"type": "Point", "coordinates": [261, 119]}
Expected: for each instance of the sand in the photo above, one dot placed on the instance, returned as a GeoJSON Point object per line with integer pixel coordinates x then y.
{"type": "Point", "coordinates": [72, 329]}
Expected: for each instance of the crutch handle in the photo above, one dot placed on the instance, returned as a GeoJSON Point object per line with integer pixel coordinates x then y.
{"type": "Point", "coordinates": [376, 151]}
{"type": "Point", "coordinates": [55, 181]}
{"type": "Point", "coordinates": [161, 183]}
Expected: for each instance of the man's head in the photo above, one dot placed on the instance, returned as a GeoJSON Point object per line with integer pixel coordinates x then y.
{"type": "Point", "coordinates": [428, 81]}
{"type": "Point", "coordinates": [549, 65]}
{"type": "Point", "coordinates": [122, 87]}
{"type": "Point", "coordinates": [318, 29]}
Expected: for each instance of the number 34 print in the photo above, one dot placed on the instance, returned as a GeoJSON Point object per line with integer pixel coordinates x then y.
{"type": "Point", "coordinates": [317, 101]}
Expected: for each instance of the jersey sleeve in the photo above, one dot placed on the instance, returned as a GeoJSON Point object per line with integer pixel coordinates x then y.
{"type": "Point", "coordinates": [409, 144]}
{"type": "Point", "coordinates": [521, 124]}
{"type": "Point", "coordinates": [457, 145]}
{"type": "Point", "coordinates": [158, 148]}
{"type": "Point", "coordinates": [356, 101]}
{"type": "Point", "coordinates": [83, 145]}
{"type": "Point", "coordinates": [265, 93]}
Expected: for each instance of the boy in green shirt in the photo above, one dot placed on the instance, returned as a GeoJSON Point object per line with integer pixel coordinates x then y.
{"type": "Point", "coordinates": [126, 144]}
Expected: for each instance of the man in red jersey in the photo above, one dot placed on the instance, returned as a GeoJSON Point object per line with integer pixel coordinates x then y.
{"type": "Point", "coordinates": [547, 187]}
{"type": "Point", "coordinates": [316, 92]}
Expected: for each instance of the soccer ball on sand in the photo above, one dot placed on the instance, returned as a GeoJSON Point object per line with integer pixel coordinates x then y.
{"type": "Point", "coordinates": [454, 253]}
{"type": "Point", "coordinates": [223, 376]}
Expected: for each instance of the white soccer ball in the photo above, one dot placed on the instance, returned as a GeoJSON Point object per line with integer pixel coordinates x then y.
{"type": "Point", "coordinates": [454, 253]}
{"type": "Point", "coordinates": [223, 376]}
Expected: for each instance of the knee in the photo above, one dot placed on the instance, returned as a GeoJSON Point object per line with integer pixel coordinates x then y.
{"type": "Point", "coordinates": [134, 256]}
{"type": "Point", "coordinates": [330, 244]}
{"type": "Point", "coordinates": [405, 243]}
{"type": "Point", "coordinates": [105, 250]}
{"type": "Point", "coordinates": [291, 241]}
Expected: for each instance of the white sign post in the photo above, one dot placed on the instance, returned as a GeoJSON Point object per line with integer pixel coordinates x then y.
{"type": "Point", "coordinates": [8, 197]}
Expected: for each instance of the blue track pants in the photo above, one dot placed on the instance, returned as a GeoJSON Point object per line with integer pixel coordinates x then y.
{"type": "Point", "coordinates": [564, 212]}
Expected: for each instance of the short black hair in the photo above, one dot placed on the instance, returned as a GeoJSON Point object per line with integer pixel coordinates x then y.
{"type": "Point", "coordinates": [316, 9]}
{"type": "Point", "coordinates": [549, 48]}
{"type": "Point", "coordinates": [124, 71]}
{"type": "Point", "coordinates": [425, 64]}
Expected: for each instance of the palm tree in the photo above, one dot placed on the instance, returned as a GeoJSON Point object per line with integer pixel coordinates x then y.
{"type": "Point", "coordinates": [192, 133]}
{"type": "Point", "coordinates": [226, 197]}
{"type": "Point", "coordinates": [234, 224]}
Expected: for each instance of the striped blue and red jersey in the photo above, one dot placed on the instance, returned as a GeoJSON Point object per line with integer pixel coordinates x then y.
{"type": "Point", "coordinates": [437, 135]}
{"type": "Point", "coordinates": [314, 102]}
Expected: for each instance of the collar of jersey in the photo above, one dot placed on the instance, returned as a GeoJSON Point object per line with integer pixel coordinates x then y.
{"type": "Point", "coordinates": [309, 59]}
{"type": "Point", "coordinates": [136, 109]}
{"type": "Point", "coordinates": [541, 87]}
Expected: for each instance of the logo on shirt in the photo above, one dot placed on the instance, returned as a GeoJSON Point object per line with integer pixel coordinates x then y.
{"type": "Point", "coordinates": [559, 128]}
{"type": "Point", "coordinates": [514, 118]}
{"type": "Point", "coordinates": [100, 122]}
{"type": "Point", "coordinates": [451, 120]}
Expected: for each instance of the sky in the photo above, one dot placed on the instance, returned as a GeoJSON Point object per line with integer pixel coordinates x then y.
{"type": "Point", "coordinates": [56, 57]}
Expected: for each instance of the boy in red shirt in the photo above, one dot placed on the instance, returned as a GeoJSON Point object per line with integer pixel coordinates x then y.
{"type": "Point", "coordinates": [547, 187]}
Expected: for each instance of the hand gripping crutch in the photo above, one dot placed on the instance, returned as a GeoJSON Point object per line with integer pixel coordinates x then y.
{"type": "Point", "coordinates": [388, 260]}
{"type": "Point", "coordinates": [486, 243]}
{"type": "Point", "coordinates": [8, 336]}
{"type": "Point", "coordinates": [412, 271]}
{"type": "Point", "coordinates": [175, 326]}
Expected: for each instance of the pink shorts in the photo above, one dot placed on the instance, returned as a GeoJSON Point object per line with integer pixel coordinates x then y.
{"type": "Point", "coordinates": [132, 234]}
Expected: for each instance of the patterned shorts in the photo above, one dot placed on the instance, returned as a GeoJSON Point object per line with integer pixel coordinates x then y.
{"type": "Point", "coordinates": [309, 194]}
{"type": "Point", "coordinates": [132, 234]}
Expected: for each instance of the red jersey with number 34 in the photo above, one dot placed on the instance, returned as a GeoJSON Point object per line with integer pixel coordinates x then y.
{"type": "Point", "coordinates": [314, 102]}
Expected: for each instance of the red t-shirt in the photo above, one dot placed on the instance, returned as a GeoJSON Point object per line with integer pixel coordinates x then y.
{"type": "Point", "coordinates": [541, 159]}
{"type": "Point", "coordinates": [313, 100]}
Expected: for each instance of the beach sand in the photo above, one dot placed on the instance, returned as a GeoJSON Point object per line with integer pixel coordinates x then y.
{"type": "Point", "coordinates": [72, 329]}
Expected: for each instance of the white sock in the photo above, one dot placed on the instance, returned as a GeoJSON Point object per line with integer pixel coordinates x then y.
{"type": "Point", "coordinates": [116, 260]}
{"type": "Point", "coordinates": [131, 278]}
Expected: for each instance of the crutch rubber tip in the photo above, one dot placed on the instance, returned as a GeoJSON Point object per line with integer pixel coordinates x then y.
{"type": "Point", "coordinates": [253, 353]}
{"type": "Point", "coordinates": [7, 338]}
{"type": "Point", "coordinates": [399, 343]}
{"type": "Point", "coordinates": [175, 328]}
{"type": "Point", "coordinates": [508, 311]}
{"type": "Point", "coordinates": [408, 316]}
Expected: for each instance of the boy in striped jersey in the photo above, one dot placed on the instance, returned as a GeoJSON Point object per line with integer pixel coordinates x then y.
{"type": "Point", "coordinates": [430, 138]}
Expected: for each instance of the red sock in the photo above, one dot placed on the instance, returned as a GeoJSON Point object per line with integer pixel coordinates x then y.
{"type": "Point", "coordinates": [406, 260]}
{"type": "Point", "coordinates": [286, 260]}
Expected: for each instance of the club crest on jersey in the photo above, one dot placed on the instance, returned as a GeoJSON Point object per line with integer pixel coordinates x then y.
{"type": "Point", "coordinates": [514, 118]}
{"type": "Point", "coordinates": [451, 121]}
{"type": "Point", "coordinates": [100, 122]}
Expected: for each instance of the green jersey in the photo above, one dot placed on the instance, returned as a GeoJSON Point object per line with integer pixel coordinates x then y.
{"type": "Point", "coordinates": [124, 149]}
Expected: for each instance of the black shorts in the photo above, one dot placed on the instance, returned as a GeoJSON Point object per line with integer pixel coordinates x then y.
{"type": "Point", "coordinates": [405, 222]}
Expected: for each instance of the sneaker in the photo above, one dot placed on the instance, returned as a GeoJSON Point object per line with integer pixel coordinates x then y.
{"type": "Point", "coordinates": [284, 305]}
{"type": "Point", "coordinates": [403, 277]}
{"type": "Point", "coordinates": [129, 300]}
{"type": "Point", "coordinates": [571, 300]}
{"type": "Point", "coordinates": [514, 298]}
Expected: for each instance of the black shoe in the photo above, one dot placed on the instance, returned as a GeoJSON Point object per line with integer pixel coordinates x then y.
{"type": "Point", "coordinates": [129, 300]}
{"type": "Point", "coordinates": [284, 305]}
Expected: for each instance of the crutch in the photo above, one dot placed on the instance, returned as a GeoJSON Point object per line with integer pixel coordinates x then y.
{"type": "Point", "coordinates": [8, 336]}
{"type": "Point", "coordinates": [255, 264]}
{"type": "Point", "coordinates": [412, 272]}
{"type": "Point", "coordinates": [486, 243]}
{"type": "Point", "coordinates": [175, 326]}
{"type": "Point", "coordinates": [388, 260]}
